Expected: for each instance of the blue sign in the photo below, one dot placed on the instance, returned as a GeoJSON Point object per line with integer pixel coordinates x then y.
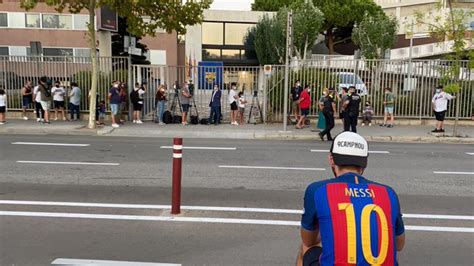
{"type": "Point", "coordinates": [210, 73]}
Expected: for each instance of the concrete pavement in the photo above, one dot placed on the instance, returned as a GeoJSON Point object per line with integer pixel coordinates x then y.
{"type": "Point", "coordinates": [434, 183]}
{"type": "Point", "coordinates": [405, 133]}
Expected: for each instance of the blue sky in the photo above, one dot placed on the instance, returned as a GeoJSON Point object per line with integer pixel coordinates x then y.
{"type": "Point", "coordinates": [231, 4]}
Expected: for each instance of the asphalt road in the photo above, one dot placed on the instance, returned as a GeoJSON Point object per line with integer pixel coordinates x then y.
{"type": "Point", "coordinates": [247, 174]}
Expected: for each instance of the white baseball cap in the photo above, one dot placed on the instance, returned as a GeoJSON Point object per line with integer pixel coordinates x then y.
{"type": "Point", "coordinates": [349, 148]}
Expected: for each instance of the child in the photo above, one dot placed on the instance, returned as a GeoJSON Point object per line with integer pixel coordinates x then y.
{"type": "Point", "coordinates": [367, 114]}
{"type": "Point", "coordinates": [102, 110]}
{"type": "Point", "coordinates": [3, 106]}
{"type": "Point", "coordinates": [242, 103]}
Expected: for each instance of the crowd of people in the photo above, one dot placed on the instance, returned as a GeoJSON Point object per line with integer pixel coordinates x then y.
{"type": "Point", "coordinates": [346, 105]}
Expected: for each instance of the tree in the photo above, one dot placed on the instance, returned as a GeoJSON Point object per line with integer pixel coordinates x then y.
{"type": "Point", "coordinates": [451, 27]}
{"type": "Point", "coordinates": [270, 33]}
{"type": "Point", "coordinates": [270, 5]}
{"type": "Point", "coordinates": [375, 34]}
{"type": "Point", "coordinates": [307, 23]}
{"type": "Point", "coordinates": [143, 18]}
{"type": "Point", "coordinates": [343, 14]}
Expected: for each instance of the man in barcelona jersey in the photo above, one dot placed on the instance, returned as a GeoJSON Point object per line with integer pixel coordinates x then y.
{"type": "Point", "coordinates": [349, 220]}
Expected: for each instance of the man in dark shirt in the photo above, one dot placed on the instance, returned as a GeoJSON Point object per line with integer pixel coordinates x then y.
{"type": "Point", "coordinates": [328, 107]}
{"type": "Point", "coordinates": [295, 97]}
{"type": "Point", "coordinates": [351, 106]}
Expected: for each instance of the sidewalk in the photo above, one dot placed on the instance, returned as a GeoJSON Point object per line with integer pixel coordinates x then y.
{"type": "Point", "coordinates": [248, 131]}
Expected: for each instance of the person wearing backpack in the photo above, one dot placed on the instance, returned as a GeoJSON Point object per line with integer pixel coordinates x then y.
{"type": "Point", "coordinates": [46, 97]}
{"type": "Point", "coordinates": [136, 97]}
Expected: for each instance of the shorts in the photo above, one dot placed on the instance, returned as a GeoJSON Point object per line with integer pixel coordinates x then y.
{"type": "Point", "coordinates": [242, 109]}
{"type": "Point", "coordinates": [136, 107]}
{"type": "Point", "coordinates": [58, 104]}
{"type": "Point", "coordinates": [311, 256]}
{"type": "Point", "coordinates": [27, 102]}
{"type": "Point", "coordinates": [185, 108]}
{"type": "Point", "coordinates": [114, 108]}
{"type": "Point", "coordinates": [46, 105]}
{"type": "Point", "coordinates": [389, 110]}
{"type": "Point", "coordinates": [3, 109]}
{"type": "Point", "coordinates": [295, 105]}
{"type": "Point", "coordinates": [233, 106]}
{"type": "Point", "coordinates": [305, 112]}
{"type": "Point", "coordinates": [440, 115]}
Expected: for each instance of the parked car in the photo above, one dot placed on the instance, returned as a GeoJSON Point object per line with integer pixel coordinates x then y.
{"type": "Point", "coordinates": [347, 79]}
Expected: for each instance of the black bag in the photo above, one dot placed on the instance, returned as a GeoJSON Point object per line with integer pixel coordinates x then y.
{"type": "Point", "coordinates": [204, 121]}
{"type": "Point", "coordinates": [177, 119]}
{"type": "Point", "coordinates": [134, 96]}
{"type": "Point", "coordinates": [194, 120]}
{"type": "Point", "coordinates": [167, 118]}
{"type": "Point", "coordinates": [47, 91]}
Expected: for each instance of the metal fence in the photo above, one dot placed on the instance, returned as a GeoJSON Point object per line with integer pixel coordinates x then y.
{"type": "Point", "coordinates": [413, 91]}
{"type": "Point", "coordinates": [15, 71]}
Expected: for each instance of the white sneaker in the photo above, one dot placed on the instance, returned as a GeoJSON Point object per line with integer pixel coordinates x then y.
{"type": "Point", "coordinates": [2, 123]}
{"type": "Point", "coordinates": [38, 119]}
{"type": "Point", "coordinates": [134, 121]}
{"type": "Point", "coordinates": [161, 124]}
{"type": "Point", "coordinates": [236, 123]}
{"type": "Point", "coordinates": [25, 118]}
{"type": "Point", "coordinates": [115, 125]}
{"type": "Point", "coordinates": [370, 124]}
{"type": "Point", "coordinates": [56, 119]}
{"type": "Point", "coordinates": [64, 118]}
{"type": "Point", "coordinates": [139, 122]}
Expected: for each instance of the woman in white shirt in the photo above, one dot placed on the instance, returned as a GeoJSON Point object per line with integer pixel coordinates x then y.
{"type": "Point", "coordinates": [440, 105]}
{"type": "Point", "coordinates": [58, 100]}
{"type": "Point", "coordinates": [3, 106]}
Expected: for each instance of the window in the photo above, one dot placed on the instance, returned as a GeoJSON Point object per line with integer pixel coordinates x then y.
{"type": "Point", "coordinates": [235, 33]}
{"type": "Point", "coordinates": [57, 52]}
{"type": "Point", "coordinates": [212, 33]}
{"type": "Point", "coordinates": [80, 22]}
{"type": "Point", "coordinates": [3, 20]}
{"type": "Point", "coordinates": [3, 51]}
{"type": "Point", "coordinates": [231, 54]}
{"type": "Point", "coordinates": [211, 54]}
{"type": "Point", "coordinates": [32, 20]}
{"type": "Point", "coordinates": [57, 21]}
{"type": "Point", "coordinates": [80, 52]}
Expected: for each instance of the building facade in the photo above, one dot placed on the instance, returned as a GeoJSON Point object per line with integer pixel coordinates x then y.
{"type": "Point", "coordinates": [64, 34]}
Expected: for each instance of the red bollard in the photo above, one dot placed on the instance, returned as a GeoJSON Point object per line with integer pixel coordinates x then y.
{"type": "Point", "coordinates": [176, 187]}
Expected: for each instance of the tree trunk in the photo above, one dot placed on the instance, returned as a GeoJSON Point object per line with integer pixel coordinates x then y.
{"type": "Point", "coordinates": [330, 38]}
{"type": "Point", "coordinates": [456, 119]}
{"type": "Point", "coordinates": [92, 43]}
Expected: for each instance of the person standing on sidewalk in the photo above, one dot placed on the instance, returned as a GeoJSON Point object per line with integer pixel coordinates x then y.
{"type": "Point", "coordinates": [38, 109]}
{"type": "Point", "coordinates": [351, 107]}
{"type": "Point", "coordinates": [233, 104]}
{"type": "Point", "coordinates": [305, 103]}
{"type": "Point", "coordinates": [440, 106]}
{"type": "Point", "coordinates": [328, 107]}
{"type": "Point", "coordinates": [114, 99]}
{"type": "Point", "coordinates": [186, 98]}
{"type": "Point", "coordinates": [3, 106]}
{"type": "Point", "coordinates": [46, 97]}
{"type": "Point", "coordinates": [215, 106]}
{"type": "Point", "coordinates": [295, 96]}
{"type": "Point", "coordinates": [123, 111]}
{"type": "Point", "coordinates": [160, 103]}
{"type": "Point", "coordinates": [58, 100]}
{"type": "Point", "coordinates": [136, 97]}
{"type": "Point", "coordinates": [389, 105]}
{"type": "Point", "coordinates": [242, 103]}
{"type": "Point", "coordinates": [321, 120]}
{"type": "Point", "coordinates": [342, 99]}
{"type": "Point", "coordinates": [27, 94]}
{"type": "Point", "coordinates": [75, 101]}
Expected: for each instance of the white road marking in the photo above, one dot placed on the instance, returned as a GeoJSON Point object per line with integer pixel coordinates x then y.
{"type": "Point", "coordinates": [67, 163]}
{"type": "Point", "coordinates": [271, 167]}
{"type": "Point", "coordinates": [50, 144]}
{"type": "Point", "coordinates": [202, 148]}
{"type": "Point", "coordinates": [207, 208]}
{"type": "Point", "coordinates": [470, 153]}
{"type": "Point", "coordinates": [202, 220]}
{"type": "Point", "coordinates": [62, 261]}
{"type": "Point", "coordinates": [327, 151]}
{"type": "Point", "coordinates": [453, 173]}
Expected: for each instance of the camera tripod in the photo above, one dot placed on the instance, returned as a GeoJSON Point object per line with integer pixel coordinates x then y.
{"type": "Point", "coordinates": [255, 111]}
{"type": "Point", "coordinates": [175, 102]}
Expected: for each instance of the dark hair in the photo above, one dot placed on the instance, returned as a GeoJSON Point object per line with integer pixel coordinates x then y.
{"type": "Point", "coordinates": [73, 84]}
{"type": "Point", "coordinates": [137, 84]}
{"type": "Point", "coordinates": [345, 89]}
{"type": "Point", "coordinates": [367, 102]}
{"type": "Point", "coordinates": [352, 87]}
{"type": "Point", "coordinates": [2, 91]}
{"type": "Point", "coordinates": [389, 89]}
{"type": "Point", "coordinates": [44, 79]}
{"type": "Point", "coordinates": [241, 93]}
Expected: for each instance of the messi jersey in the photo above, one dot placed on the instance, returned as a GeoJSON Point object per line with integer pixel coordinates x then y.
{"type": "Point", "coordinates": [358, 220]}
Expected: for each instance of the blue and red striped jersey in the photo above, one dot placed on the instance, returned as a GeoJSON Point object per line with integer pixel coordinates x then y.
{"type": "Point", "coordinates": [358, 220]}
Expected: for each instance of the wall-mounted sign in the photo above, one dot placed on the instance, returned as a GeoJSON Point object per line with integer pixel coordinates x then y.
{"type": "Point", "coordinates": [107, 19]}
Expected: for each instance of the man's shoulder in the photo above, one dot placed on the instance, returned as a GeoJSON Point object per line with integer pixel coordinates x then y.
{"type": "Point", "coordinates": [313, 187]}
{"type": "Point", "coordinates": [389, 189]}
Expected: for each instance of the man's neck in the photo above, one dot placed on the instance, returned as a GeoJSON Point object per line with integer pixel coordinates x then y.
{"type": "Point", "coordinates": [347, 171]}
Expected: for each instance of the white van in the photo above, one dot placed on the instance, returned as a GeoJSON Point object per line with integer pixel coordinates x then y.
{"type": "Point", "coordinates": [347, 79]}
